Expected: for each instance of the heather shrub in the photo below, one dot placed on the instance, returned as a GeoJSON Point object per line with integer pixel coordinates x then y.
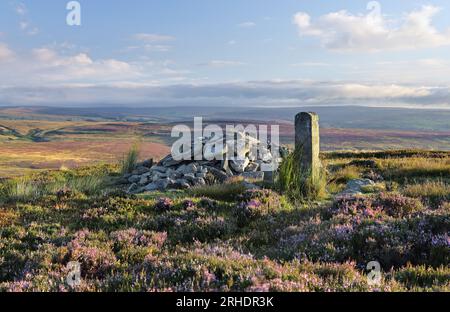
{"type": "Point", "coordinates": [256, 203]}
{"type": "Point", "coordinates": [391, 204]}
{"type": "Point", "coordinates": [163, 204]}
{"type": "Point", "coordinates": [208, 204]}
{"type": "Point", "coordinates": [94, 254]}
{"type": "Point", "coordinates": [423, 276]}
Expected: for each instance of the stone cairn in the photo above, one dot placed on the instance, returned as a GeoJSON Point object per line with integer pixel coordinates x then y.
{"type": "Point", "coordinates": [170, 174]}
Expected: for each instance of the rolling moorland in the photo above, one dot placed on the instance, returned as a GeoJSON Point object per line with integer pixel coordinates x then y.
{"type": "Point", "coordinates": [34, 139]}
{"type": "Point", "coordinates": [226, 237]}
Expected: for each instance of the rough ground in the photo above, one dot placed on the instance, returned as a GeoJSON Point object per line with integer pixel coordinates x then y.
{"type": "Point", "coordinates": [225, 238]}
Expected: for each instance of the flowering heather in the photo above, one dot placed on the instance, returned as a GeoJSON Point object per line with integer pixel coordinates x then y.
{"type": "Point", "coordinates": [395, 205]}
{"type": "Point", "coordinates": [208, 204]}
{"type": "Point", "coordinates": [136, 237]}
{"type": "Point", "coordinates": [188, 204]}
{"type": "Point", "coordinates": [163, 204]}
{"type": "Point", "coordinates": [257, 242]}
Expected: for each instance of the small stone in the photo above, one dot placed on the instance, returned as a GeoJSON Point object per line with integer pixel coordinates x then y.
{"type": "Point", "coordinates": [189, 176]}
{"type": "Point", "coordinates": [258, 176]}
{"type": "Point", "coordinates": [198, 181]}
{"type": "Point", "coordinates": [160, 185]}
{"type": "Point", "coordinates": [181, 184]}
{"type": "Point", "coordinates": [151, 187]}
{"type": "Point", "coordinates": [200, 175]}
{"type": "Point", "coordinates": [250, 186]}
{"type": "Point", "coordinates": [132, 188]}
{"type": "Point", "coordinates": [134, 179]}
{"type": "Point", "coordinates": [148, 163]}
{"type": "Point", "coordinates": [252, 167]}
{"type": "Point", "coordinates": [219, 175]}
{"type": "Point", "coordinates": [354, 187]}
{"type": "Point", "coordinates": [160, 169]}
{"type": "Point", "coordinates": [140, 170]}
{"type": "Point", "coordinates": [143, 180]}
{"type": "Point", "coordinates": [169, 161]}
{"type": "Point", "coordinates": [239, 165]}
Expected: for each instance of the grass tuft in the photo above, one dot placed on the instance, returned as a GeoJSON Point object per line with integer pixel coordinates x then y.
{"type": "Point", "coordinates": [129, 161]}
{"type": "Point", "coordinates": [298, 184]}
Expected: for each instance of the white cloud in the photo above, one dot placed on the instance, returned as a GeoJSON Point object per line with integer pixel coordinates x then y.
{"type": "Point", "coordinates": [25, 23]}
{"type": "Point", "coordinates": [344, 31]}
{"type": "Point", "coordinates": [21, 9]}
{"type": "Point", "coordinates": [247, 24]}
{"type": "Point", "coordinates": [310, 64]}
{"type": "Point", "coordinates": [146, 37]}
{"type": "Point", "coordinates": [253, 93]}
{"type": "Point", "coordinates": [222, 63]}
{"type": "Point", "coordinates": [51, 66]}
{"type": "Point", "coordinates": [6, 54]}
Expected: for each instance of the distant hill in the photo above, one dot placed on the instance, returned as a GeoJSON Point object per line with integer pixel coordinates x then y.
{"type": "Point", "coordinates": [330, 117]}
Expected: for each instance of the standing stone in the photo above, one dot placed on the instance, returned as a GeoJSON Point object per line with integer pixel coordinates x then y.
{"type": "Point", "coordinates": [307, 143]}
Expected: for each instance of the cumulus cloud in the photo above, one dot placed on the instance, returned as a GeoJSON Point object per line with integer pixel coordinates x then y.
{"type": "Point", "coordinates": [6, 54]}
{"type": "Point", "coordinates": [48, 67]}
{"type": "Point", "coordinates": [372, 32]}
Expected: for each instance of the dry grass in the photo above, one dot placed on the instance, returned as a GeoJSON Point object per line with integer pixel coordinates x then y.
{"type": "Point", "coordinates": [415, 167]}
{"type": "Point", "coordinates": [433, 193]}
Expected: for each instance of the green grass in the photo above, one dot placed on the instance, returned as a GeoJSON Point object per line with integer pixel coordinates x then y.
{"type": "Point", "coordinates": [431, 192]}
{"type": "Point", "coordinates": [29, 189]}
{"type": "Point", "coordinates": [226, 192]}
{"type": "Point", "coordinates": [298, 184]}
{"type": "Point", "coordinates": [129, 161]}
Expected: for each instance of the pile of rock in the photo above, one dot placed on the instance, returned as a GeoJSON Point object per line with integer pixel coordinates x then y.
{"type": "Point", "coordinates": [173, 174]}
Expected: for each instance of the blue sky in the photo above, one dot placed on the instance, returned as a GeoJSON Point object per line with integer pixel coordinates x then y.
{"type": "Point", "coordinates": [234, 52]}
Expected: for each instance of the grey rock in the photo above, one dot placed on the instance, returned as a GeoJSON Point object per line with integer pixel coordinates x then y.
{"type": "Point", "coordinates": [132, 188]}
{"type": "Point", "coordinates": [269, 177]}
{"type": "Point", "coordinates": [160, 185]}
{"type": "Point", "coordinates": [168, 161]}
{"type": "Point", "coordinates": [239, 165]}
{"type": "Point", "coordinates": [122, 181]}
{"type": "Point", "coordinates": [252, 167]}
{"type": "Point", "coordinates": [181, 184]}
{"type": "Point", "coordinates": [151, 187]}
{"type": "Point", "coordinates": [219, 175]}
{"type": "Point", "coordinates": [189, 176]}
{"type": "Point", "coordinates": [254, 176]}
{"type": "Point", "coordinates": [250, 186]}
{"type": "Point", "coordinates": [198, 181]}
{"type": "Point", "coordinates": [134, 179]}
{"type": "Point", "coordinates": [143, 180]}
{"type": "Point", "coordinates": [354, 187]}
{"type": "Point", "coordinates": [160, 169]}
{"type": "Point", "coordinates": [140, 170]}
{"type": "Point", "coordinates": [148, 163]}
{"type": "Point", "coordinates": [200, 175]}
